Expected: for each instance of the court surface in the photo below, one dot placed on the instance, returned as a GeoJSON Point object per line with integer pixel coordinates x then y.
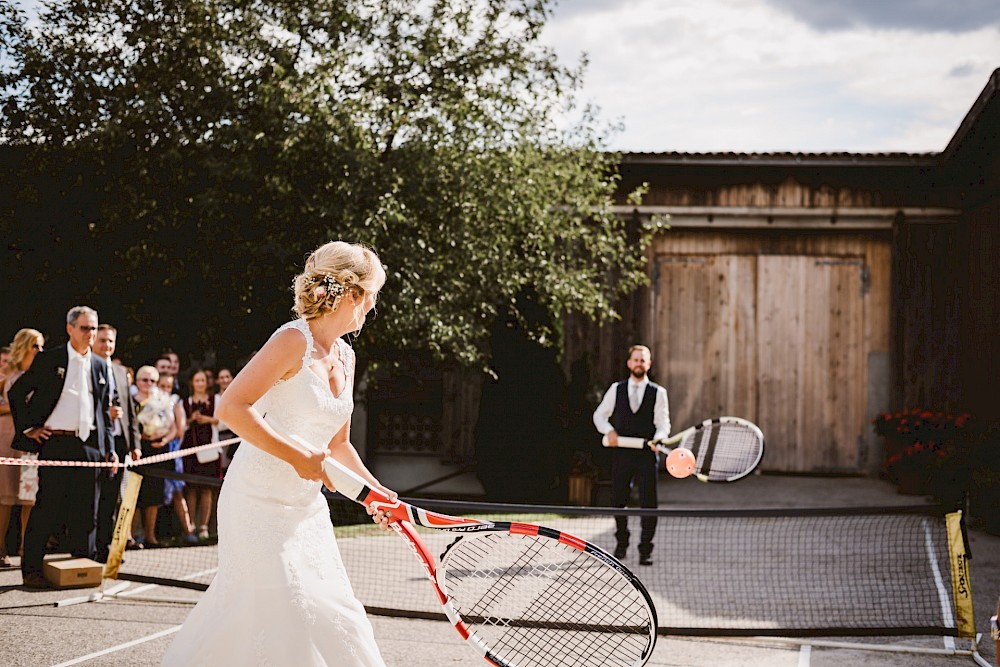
{"type": "Point", "coordinates": [123, 633]}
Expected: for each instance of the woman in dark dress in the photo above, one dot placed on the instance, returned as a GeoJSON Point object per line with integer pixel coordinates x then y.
{"type": "Point", "coordinates": [199, 407]}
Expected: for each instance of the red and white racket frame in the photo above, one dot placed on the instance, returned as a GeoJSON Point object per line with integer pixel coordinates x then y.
{"type": "Point", "coordinates": [402, 517]}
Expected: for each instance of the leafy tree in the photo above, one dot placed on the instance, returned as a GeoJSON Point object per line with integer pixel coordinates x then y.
{"type": "Point", "coordinates": [174, 162]}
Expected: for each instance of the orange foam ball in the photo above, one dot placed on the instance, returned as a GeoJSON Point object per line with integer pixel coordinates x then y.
{"type": "Point", "coordinates": [681, 463]}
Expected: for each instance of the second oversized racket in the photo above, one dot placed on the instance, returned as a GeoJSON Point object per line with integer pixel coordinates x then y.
{"type": "Point", "coordinates": [524, 595]}
{"type": "Point", "coordinates": [725, 449]}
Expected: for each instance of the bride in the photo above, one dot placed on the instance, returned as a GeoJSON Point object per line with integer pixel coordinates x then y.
{"type": "Point", "coordinates": [281, 595]}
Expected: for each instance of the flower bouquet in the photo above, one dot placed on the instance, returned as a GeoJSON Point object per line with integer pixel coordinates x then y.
{"type": "Point", "coordinates": [155, 416]}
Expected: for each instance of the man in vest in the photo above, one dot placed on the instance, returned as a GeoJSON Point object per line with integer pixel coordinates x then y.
{"type": "Point", "coordinates": [635, 408]}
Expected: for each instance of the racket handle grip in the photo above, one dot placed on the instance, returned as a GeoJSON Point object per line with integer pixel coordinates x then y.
{"type": "Point", "coordinates": [349, 483]}
{"type": "Point", "coordinates": [346, 481]}
{"type": "Point", "coordinates": [354, 487]}
{"type": "Point", "coordinates": [626, 442]}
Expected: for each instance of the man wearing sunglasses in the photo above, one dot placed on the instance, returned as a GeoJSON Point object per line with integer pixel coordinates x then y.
{"type": "Point", "coordinates": [61, 408]}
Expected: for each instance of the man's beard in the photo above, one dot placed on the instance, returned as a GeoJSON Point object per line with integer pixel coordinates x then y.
{"type": "Point", "coordinates": [639, 373]}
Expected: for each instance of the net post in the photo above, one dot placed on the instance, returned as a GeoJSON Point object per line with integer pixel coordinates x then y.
{"type": "Point", "coordinates": [961, 575]}
{"type": "Point", "coordinates": [120, 536]}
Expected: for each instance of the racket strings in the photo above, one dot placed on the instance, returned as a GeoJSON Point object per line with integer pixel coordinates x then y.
{"type": "Point", "coordinates": [535, 601]}
{"type": "Point", "coordinates": [601, 651]}
{"type": "Point", "coordinates": [736, 449]}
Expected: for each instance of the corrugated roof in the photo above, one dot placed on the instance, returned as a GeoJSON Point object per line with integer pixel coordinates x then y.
{"type": "Point", "coordinates": [786, 159]}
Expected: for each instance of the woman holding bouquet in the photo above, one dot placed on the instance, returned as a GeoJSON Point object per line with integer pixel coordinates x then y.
{"type": "Point", "coordinates": [158, 426]}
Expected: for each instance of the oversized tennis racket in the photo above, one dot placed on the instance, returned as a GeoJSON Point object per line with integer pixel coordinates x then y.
{"type": "Point", "coordinates": [725, 449]}
{"type": "Point", "coordinates": [524, 595]}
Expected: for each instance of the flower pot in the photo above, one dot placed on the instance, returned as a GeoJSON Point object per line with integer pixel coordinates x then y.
{"type": "Point", "coordinates": [912, 482]}
{"type": "Point", "coordinates": [581, 489]}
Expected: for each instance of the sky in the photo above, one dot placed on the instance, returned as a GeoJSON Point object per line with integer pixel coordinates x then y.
{"type": "Point", "coordinates": [780, 75]}
{"type": "Point", "coordinates": [777, 75]}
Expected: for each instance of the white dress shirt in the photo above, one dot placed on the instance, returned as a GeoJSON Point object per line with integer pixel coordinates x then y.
{"type": "Point", "coordinates": [661, 410]}
{"type": "Point", "coordinates": [77, 398]}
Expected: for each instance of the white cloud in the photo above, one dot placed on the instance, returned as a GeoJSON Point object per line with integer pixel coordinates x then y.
{"type": "Point", "coordinates": [745, 75]}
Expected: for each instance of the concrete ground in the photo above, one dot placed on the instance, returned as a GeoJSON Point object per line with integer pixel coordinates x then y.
{"type": "Point", "coordinates": [122, 633]}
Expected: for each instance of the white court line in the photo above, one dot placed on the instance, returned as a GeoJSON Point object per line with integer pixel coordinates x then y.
{"type": "Point", "coordinates": [804, 652]}
{"type": "Point", "coordinates": [120, 647]}
{"type": "Point", "coordinates": [136, 591]}
{"type": "Point", "coordinates": [947, 617]}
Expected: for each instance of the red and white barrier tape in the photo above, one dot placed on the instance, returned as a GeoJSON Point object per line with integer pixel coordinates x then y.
{"type": "Point", "coordinates": [128, 463]}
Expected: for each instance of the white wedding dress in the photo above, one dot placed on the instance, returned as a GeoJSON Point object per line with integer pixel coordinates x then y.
{"type": "Point", "coordinates": [281, 596]}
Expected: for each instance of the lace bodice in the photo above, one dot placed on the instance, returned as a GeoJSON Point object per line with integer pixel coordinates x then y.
{"type": "Point", "coordinates": [302, 405]}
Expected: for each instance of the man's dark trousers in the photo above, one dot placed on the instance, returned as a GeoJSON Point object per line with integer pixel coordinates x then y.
{"type": "Point", "coordinates": [640, 465]}
{"type": "Point", "coordinates": [107, 505]}
{"type": "Point", "coordinates": [66, 496]}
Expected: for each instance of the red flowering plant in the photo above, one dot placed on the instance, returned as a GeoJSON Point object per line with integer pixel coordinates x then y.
{"type": "Point", "coordinates": [931, 444]}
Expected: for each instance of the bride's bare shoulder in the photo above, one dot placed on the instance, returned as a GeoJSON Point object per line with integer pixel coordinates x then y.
{"type": "Point", "coordinates": [281, 357]}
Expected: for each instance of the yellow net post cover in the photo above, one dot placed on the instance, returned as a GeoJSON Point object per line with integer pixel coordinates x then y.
{"type": "Point", "coordinates": [120, 536]}
{"type": "Point", "coordinates": [961, 576]}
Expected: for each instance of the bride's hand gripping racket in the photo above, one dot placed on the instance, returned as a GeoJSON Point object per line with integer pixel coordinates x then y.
{"type": "Point", "coordinates": [523, 595]}
{"type": "Point", "coordinates": [724, 449]}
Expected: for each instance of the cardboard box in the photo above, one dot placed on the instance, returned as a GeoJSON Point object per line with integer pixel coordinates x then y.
{"type": "Point", "coordinates": [73, 573]}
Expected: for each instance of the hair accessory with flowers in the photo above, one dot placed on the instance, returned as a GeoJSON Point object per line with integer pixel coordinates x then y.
{"type": "Point", "coordinates": [328, 287]}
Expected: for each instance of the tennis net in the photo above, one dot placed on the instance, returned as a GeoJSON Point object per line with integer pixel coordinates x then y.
{"type": "Point", "coordinates": [875, 571]}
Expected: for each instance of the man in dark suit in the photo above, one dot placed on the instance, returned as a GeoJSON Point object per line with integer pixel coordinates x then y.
{"type": "Point", "coordinates": [124, 428]}
{"type": "Point", "coordinates": [635, 408]}
{"type": "Point", "coordinates": [60, 409]}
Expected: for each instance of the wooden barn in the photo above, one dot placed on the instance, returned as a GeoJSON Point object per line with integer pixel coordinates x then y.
{"type": "Point", "coordinates": [806, 292]}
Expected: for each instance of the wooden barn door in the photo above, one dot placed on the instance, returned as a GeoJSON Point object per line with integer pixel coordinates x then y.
{"type": "Point", "coordinates": [773, 338]}
{"type": "Point", "coordinates": [810, 342]}
{"type": "Point", "coordinates": [704, 336]}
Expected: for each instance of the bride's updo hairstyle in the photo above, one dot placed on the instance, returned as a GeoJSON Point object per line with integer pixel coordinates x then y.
{"type": "Point", "coordinates": [332, 271]}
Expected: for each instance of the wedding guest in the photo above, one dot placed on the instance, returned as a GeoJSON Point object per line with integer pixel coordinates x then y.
{"type": "Point", "coordinates": [163, 365]}
{"type": "Point", "coordinates": [210, 377]}
{"type": "Point", "coordinates": [199, 408]}
{"type": "Point", "coordinates": [27, 343]}
{"type": "Point", "coordinates": [173, 489]}
{"type": "Point", "coordinates": [158, 426]}
{"type": "Point", "coordinates": [174, 369]}
{"type": "Point", "coordinates": [222, 380]}
{"type": "Point", "coordinates": [125, 430]}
